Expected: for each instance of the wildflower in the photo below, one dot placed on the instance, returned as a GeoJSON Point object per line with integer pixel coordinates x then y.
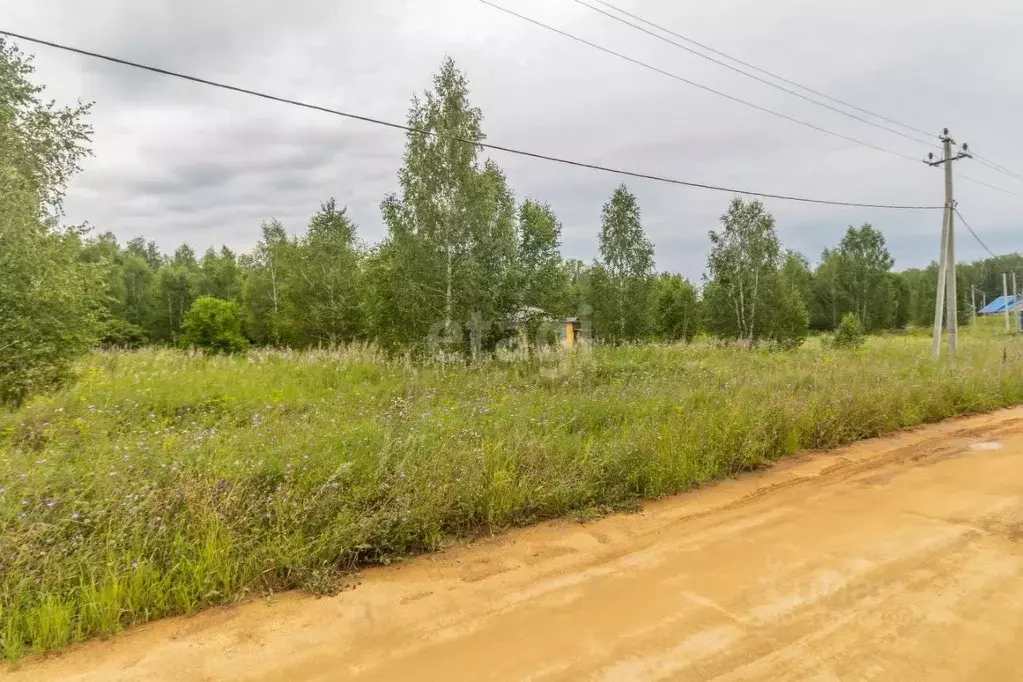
{"type": "Point", "coordinates": [112, 473]}
{"type": "Point", "coordinates": [76, 516]}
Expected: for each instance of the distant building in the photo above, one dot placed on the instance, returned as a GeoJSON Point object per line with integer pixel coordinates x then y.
{"type": "Point", "coordinates": [567, 329]}
{"type": "Point", "coordinates": [998, 306]}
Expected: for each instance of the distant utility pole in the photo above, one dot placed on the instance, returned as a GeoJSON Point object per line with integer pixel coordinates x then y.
{"type": "Point", "coordinates": [1015, 307]}
{"type": "Point", "coordinates": [973, 306]}
{"type": "Point", "coordinates": [1005, 297]}
{"type": "Point", "coordinates": [947, 263]}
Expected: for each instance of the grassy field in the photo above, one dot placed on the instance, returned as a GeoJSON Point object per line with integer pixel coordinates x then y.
{"type": "Point", "coordinates": [162, 483]}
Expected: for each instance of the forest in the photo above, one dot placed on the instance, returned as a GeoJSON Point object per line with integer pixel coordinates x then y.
{"type": "Point", "coordinates": [460, 252]}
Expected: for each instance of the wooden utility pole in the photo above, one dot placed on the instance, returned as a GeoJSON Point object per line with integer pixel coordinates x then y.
{"type": "Point", "coordinates": [946, 297]}
{"type": "Point", "coordinates": [973, 306]}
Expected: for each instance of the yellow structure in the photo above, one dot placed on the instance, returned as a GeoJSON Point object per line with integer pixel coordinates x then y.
{"type": "Point", "coordinates": [573, 331]}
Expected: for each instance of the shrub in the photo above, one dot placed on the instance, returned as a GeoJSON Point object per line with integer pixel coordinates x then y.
{"type": "Point", "coordinates": [849, 333]}
{"type": "Point", "coordinates": [214, 325]}
{"type": "Point", "coordinates": [117, 333]}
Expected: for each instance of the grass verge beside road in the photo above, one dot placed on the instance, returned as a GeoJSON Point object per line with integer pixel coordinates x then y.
{"type": "Point", "coordinates": [162, 483]}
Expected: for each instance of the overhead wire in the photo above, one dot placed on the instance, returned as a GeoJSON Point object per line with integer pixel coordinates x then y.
{"type": "Point", "coordinates": [984, 162]}
{"type": "Point", "coordinates": [979, 240]}
{"type": "Point", "coordinates": [908, 136]}
{"type": "Point", "coordinates": [484, 145]}
{"type": "Point", "coordinates": [706, 88]}
{"type": "Point", "coordinates": [987, 184]}
{"type": "Point", "coordinates": [763, 71]}
{"type": "Point", "coordinates": [994, 166]}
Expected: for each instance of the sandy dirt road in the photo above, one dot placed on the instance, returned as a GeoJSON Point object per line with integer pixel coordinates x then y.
{"type": "Point", "coordinates": [895, 559]}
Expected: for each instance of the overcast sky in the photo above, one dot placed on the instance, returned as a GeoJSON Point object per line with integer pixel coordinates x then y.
{"type": "Point", "coordinates": [175, 161]}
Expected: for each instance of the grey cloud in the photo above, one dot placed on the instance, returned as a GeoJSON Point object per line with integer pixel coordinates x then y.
{"type": "Point", "coordinates": [177, 161]}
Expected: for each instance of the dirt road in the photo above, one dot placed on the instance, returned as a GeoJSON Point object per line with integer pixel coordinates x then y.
{"type": "Point", "coordinates": [895, 559]}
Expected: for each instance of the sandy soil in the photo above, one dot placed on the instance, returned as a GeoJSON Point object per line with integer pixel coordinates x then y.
{"type": "Point", "coordinates": [895, 559]}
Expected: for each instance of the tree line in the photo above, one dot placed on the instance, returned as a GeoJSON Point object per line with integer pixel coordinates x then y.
{"type": "Point", "coordinates": [460, 253]}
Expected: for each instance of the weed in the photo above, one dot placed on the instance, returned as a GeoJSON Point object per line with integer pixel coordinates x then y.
{"type": "Point", "coordinates": [164, 482]}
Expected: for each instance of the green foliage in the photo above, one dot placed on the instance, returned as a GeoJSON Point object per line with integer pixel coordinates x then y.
{"type": "Point", "coordinates": [116, 333]}
{"type": "Point", "coordinates": [676, 308]}
{"type": "Point", "coordinates": [48, 311]}
{"type": "Point", "coordinates": [219, 275]}
{"type": "Point", "coordinates": [748, 295]}
{"type": "Point", "coordinates": [856, 277]}
{"type": "Point", "coordinates": [165, 482]}
{"type": "Point", "coordinates": [621, 284]}
{"type": "Point", "coordinates": [543, 281]}
{"type": "Point", "coordinates": [790, 321]}
{"type": "Point", "coordinates": [450, 252]}
{"type": "Point", "coordinates": [48, 298]}
{"type": "Point", "coordinates": [324, 285]}
{"type": "Point", "coordinates": [214, 325]}
{"type": "Point", "coordinates": [41, 145]}
{"type": "Point", "coordinates": [463, 261]}
{"type": "Point", "coordinates": [849, 333]}
{"type": "Point", "coordinates": [266, 291]}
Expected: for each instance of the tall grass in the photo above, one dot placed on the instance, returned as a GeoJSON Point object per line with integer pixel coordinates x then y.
{"type": "Point", "coordinates": [162, 482]}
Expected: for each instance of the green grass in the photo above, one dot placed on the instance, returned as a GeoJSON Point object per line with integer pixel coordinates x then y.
{"type": "Point", "coordinates": [162, 483]}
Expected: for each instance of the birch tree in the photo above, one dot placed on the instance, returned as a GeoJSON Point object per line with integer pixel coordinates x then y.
{"type": "Point", "coordinates": [745, 296]}
{"type": "Point", "coordinates": [263, 293]}
{"type": "Point", "coordinates": [543, 280]}
{"type": "Point", "coordinates": [622, 281]}
{"type": "Point", "coordinates": [326, 282]}
{"type": "Point", "coordinates": [450, 245]}
{"type": "Point", "coordinates": [743, 256]}
{"type": "Point", "coordinates": [49, 300]}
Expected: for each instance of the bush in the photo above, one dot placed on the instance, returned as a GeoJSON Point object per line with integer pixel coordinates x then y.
{"type": "Point", "coordinates": [117, 333]}
{"type": "Point", "coordinates": [214, 325]}
{"type": "Point", "coordinates": [849, 333]}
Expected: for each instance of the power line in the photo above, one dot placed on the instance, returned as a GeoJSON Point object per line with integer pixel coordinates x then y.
{"type": "Point", "coordinates": [763, 71]}
{"type": "Point", "coordinates": [994, 166]}
{"type": "Point", "coordinates": [985, 162]}
{"type": "Point", "coordinates": [484, 145]}
{"type": "Point", "coordinates": [736, 69]}
{"type": "Point", "coordinates": [988, 185]}
{"type": "Point", "coordinates": [694, 83]}
{"type": "Point", "coordinates": [979, 240]}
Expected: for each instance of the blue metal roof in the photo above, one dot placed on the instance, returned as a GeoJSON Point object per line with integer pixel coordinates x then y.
{"type": "Point", "coordinates": [998, 305]}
